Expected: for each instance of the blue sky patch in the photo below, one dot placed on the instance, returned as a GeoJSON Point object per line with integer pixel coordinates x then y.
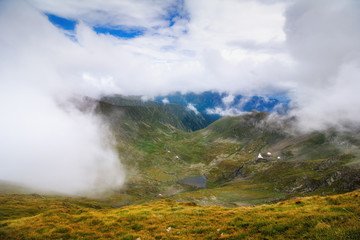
{"type": "Point", "coordinates": [69, 25]}
{"type": "Point", "coordinates": [176, 11]}
{"type": "Point", "coordinates": [63, 23]}
{"type": "Point", "coordinates": [121, 33]}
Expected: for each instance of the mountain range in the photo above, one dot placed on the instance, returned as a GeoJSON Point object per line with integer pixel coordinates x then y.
{"type": "Point", "coordinates": [219, 164]}
{"type": "Point", "coordinates": [209, 183]}
{"type": "Point", "coordinates": [213, 105]}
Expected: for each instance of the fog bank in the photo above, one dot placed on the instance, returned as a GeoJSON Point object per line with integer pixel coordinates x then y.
{"type": "Point", "coordinates": [46, 142]}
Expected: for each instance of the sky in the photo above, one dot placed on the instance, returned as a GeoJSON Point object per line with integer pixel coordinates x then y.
{"type": "Point", "coordinates": [51, 51]}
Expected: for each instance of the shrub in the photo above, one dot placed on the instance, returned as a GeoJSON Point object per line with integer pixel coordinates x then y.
{"type": "Point", "coordinates": [137, 226]}
{"type": "Point", "coordinates": [128, 237]}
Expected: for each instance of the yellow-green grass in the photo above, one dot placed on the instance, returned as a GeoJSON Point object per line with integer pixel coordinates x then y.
{"type": "Point", "coordinates": [241, 193]}
{"type": "Point", "coordinates": [37, 217]}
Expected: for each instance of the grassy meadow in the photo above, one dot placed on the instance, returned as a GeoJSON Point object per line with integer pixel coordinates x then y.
{"type": "Point", "coordinates": [44, 217]}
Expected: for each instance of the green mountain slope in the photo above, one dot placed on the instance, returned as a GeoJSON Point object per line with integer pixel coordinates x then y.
{"type": "Point", "coordinates": [158, 155]}
{"type": "Point", "coordinates": [165, 161]}
{"type": "Point", "coordinates": [174, 114]}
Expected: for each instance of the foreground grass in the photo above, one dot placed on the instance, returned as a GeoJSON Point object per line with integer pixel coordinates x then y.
{"type": "Point", "coordinates": [237, 193]}
{"type": "Point", "coordinates": [38, 217]}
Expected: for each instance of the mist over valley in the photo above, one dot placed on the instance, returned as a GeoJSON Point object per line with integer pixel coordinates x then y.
{"type": "Point", "coordinates": [179, 119]}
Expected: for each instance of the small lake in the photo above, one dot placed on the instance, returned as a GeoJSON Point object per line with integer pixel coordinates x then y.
{"type": "Point", "coordinates": [198, 181]}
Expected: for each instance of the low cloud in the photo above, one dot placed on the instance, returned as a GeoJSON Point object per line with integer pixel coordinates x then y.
{"type": "Point", "coordinates": [323, 38]}
{"type": "Point", "coordinates": [230, 111]}
{"type": "Point", "coordinates": [306, 49]}
{"type": "Point", "coordinates": [228, 99]}
{"type": "Point", "coordinates": [46, 142]}
{"type": "Point", "coordinates": [191, 107]}
{"type": "Point", "coordinates": [165, 101]}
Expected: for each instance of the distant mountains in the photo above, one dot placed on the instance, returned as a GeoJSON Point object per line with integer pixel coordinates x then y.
{"type": "Point", "coordinates": [173, 114]}
{"type": "Point", "coordinates": [214, 105]}
{"type": "Point", "coordinates": [163, 157]}
{"type": "Point", "coordinates": [198, 110]}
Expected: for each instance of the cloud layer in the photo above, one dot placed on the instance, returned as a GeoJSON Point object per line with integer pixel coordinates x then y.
{"type": "Point", "coordinates": [306, 49]}
{"type": "Point", "coordinates": [186, 45]}
{"type": "Point", "coordinates": [323, 38]}
{"type": "Point", "coordinates": [46, 142]}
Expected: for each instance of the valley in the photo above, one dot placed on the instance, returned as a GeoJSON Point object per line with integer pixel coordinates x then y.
{"type": "Point", "coordinates": [253, 176]}
{"type": "Point", "coordinates": [160, 152]}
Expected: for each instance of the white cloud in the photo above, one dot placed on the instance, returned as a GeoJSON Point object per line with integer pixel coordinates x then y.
{"type": "Point", "coordinates": [323, 37]}
{"type": "Point", "coordinates": [219, 22]}
{"type": "Point", "coordinates": [228, 99]}
{"type": "Point", "coordinates": [125, 13]}
{"type": "Point", "coordinates": [192, 55]}
{"type": "Point", "coordinates": [231, 111]}
{"type": "Point", "coordinates": [231, 46]}
{"type": "Point", "coordinates": [45, 142]}
{"type": "Point", "coordinates": [191, 107]}
{"type": "Point", "coordinates": [243, 101]}
{"type": "Point", "coordinates": [165, 101]}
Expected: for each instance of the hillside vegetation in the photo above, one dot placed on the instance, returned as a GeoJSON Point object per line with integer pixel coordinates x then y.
{"type": "Point", "coordinates": [159, 151]}
{"type": "Point", "coordinates": [39, 217]}
{"type": "Point", "coordinates": [205, 184]}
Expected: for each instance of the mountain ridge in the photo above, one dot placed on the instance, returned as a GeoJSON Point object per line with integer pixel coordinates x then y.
{"type": "Point", "coordinates": [214, 105]}
{"type": "Point", "coordinates": [190, 120]}
{"type": "Point", "coordinates": [160, 153]}
{"type": "Point", "coordinates": [159, 156]}
{"type": "Point", "coordinates": [209, 184]}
